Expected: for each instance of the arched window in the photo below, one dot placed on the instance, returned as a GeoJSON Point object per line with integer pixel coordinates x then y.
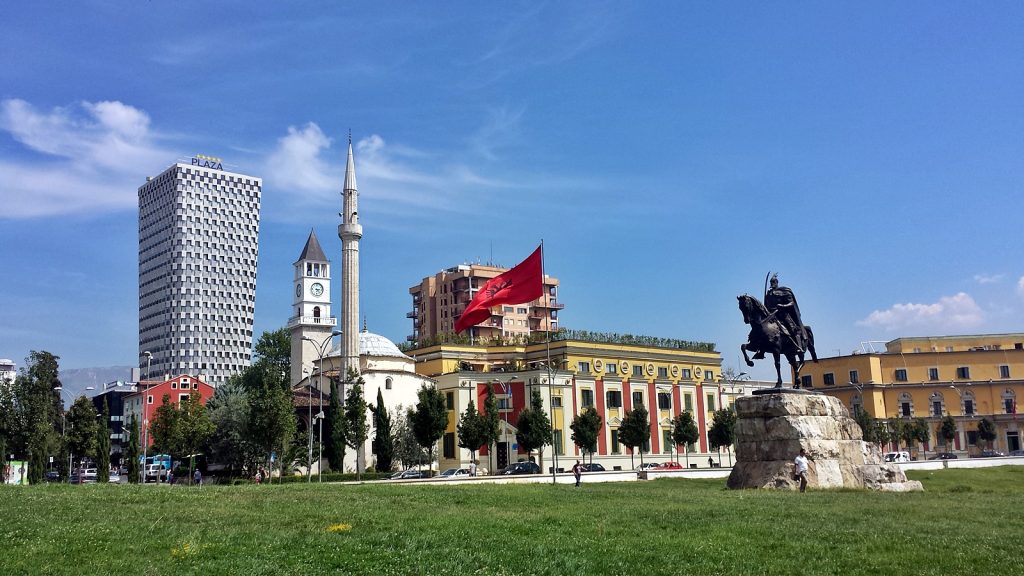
{"type": "Point", "coordinates": [1009, 401]}
{"type": "Point", "coordinates": [937, 404]}
{"type": "Point", "coordinates": [906, 406]}
{"type": "Point", "coordinates": [387, 384]}
{"type": "Point", "coordinates": [316, 314]}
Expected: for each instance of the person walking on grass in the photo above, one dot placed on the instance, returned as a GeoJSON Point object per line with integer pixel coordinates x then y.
{"type": "Point", "coordinates": [198, 478]}
{"type": "Point", "coordinates": [577, 472]}
{"type": "Point", "coordinates": [800, 469]}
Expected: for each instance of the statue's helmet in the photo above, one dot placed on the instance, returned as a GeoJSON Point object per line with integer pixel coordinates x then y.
{"type": "Point", "coordinates": [774, 280]}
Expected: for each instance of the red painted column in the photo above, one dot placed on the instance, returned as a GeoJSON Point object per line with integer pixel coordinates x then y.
{"type": "Point", "coordinates": [602, 442]}
{"type": "Point", "coordinates": [700, 419]}
{"type": "Point", "coordinates": [652, 401]}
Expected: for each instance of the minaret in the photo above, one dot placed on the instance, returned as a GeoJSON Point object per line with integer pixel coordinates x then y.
{"type": "Point", "coordinates": [350, 232]}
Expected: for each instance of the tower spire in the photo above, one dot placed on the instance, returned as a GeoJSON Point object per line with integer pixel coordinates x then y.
{"type": "Point", "coordinates": [350, 232]}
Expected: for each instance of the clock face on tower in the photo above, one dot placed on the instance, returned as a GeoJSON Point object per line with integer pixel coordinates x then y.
{"type": "Point", "coordinates": [298, 290]}
{"type": "Point", "coordinates": [316, 289]}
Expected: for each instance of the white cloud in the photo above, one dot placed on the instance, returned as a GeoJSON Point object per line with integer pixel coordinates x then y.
{"type": "Point", "coordinates": [297, 164]}
{"type": "Point", "coordinates": [950, 313]}
{"type": "Point", "coordinates": [987, 278]}
{"type": "Point", "coordinates": [84, 158]}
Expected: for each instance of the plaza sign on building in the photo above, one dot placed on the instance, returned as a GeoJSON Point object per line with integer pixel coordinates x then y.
{"type": "Point", "coordinates": [204, 161]}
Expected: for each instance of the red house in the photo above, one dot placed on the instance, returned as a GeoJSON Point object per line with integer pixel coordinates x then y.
{"type": "Point", "coordinates": [150, 394]}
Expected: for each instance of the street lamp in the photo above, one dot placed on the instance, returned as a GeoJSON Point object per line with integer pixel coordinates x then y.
{"type": "Point", "coordinates": [149, 362]}
{"type": "Point", "coordinates": [551, 418]}
{"type": "Point", "coordinates": [321, 350]}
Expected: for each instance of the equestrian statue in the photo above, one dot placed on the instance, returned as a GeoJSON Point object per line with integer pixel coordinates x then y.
{"type": "Point", "coordinates": [777, 329]}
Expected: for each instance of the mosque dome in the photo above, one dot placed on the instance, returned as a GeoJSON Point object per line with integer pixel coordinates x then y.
{"type": "Point", "coordinates": [373, 345]}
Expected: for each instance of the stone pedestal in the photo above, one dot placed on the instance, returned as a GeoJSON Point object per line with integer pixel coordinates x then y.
{"type": "Point", "coordinates": [772, 428]}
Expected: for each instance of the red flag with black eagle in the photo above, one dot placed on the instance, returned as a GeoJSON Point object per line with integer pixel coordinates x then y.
{"type": "Point", "coordinates": [523, 283]}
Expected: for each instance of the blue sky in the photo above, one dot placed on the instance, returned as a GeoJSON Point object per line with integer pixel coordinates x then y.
{"type": "Point", "coordinates": [669, 154]}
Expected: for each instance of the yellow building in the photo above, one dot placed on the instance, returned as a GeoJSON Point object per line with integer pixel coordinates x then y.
{"type": "Point", "coordinates": [438, 301]}
{"type": "Point", "coordinates": [966, 377]}
{"type": "Point", "coordinates": [608, 372]}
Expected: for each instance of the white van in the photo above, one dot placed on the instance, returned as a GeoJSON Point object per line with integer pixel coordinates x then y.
{"type": "Point", "coordinates": [897, 457]}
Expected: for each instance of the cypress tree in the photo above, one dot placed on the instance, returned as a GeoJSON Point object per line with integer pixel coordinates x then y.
{"type": "Point", "coordinates": [133, 452]}
{"type": "Point", "coordinates": [383, 440]}
{"type": "Point", "coordinates": [103, 447]}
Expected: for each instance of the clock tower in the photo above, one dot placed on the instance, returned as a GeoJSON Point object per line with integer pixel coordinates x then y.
{"type": "Point", "coordinates": [311, 308]}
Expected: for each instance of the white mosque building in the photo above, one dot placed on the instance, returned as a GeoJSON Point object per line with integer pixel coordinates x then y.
{"type": "Point", "coordinates": [315, 353]}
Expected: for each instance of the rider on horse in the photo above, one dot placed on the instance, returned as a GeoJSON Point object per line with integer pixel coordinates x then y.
{"type": "Point", "coordinates": [781, 303]}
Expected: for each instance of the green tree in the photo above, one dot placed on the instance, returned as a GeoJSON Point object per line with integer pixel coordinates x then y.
{"type": "Point", "coordinates": [947, 431]}
{"type": "Point", "coordinates": [491, 423]}
{"type": "Point", "coordinates": [407, 448]}
{"type": "Point", "coordinates": [103, 446]}
{"type": "Point", "coordinates": [193, 429]}
{"type": "Point", "coordinates": [470, 429]}
{"type": "Point", "coordinates": [229, 444]}
{"type": "Point", "coordinates": [635, 432]}
{"type": "Point", "coordinates": [37, 413]}
{"type": "Point", "coordinates": [685, 433]}
{"type": "Point", "coordinates": [383, 438]}
{"type": "Point", "coordinates": [132, 453]}
{"type": "Point", "coordinates": [723, 430]}
{"type": "Point", "coordinates": [867, 425]}
{"type": "Point", "coordinates": [585, 428]}
{"type": "Point", "coordinates": [271, 422]}
{"type": "Point", "coordinates": [429, 419]}
{"type": "Point", "coordinates": [921, 430]}
{"type": "Point", "coordinates": [336, 431]}
{"type": "Point", "coordinates": [162, 427]}
{"type": "Point", "coordinates": [533, 429]}
{"type": "Point", "coordinates": [7, 423]}
{"type": "Point", "coordinates": [356, 428]}
{"type": "Point", "coordinates": [987, 431]}
{"type": "Point", "coordinates": [81, 430]}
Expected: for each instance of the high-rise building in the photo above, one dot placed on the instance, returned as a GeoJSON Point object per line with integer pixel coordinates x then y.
{"type": "Point", "coordinates": [198, 248]}
{"type": "Point", "coordinates": [439, 300]}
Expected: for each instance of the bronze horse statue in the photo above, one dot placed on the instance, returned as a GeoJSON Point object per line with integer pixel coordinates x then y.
{"type": "Point", "coordinates": [767, 336]}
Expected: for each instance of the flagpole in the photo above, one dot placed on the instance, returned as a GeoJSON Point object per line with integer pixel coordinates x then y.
{"type": "Point", "coordinates": [547, 345]}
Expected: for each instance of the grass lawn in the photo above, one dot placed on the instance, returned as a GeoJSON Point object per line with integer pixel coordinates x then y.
{"type": "Point", "coordinates": [966, 522]}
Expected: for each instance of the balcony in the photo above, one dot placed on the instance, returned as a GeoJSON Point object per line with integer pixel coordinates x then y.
{"type": "Point", "coordinates": [328, 321]}
{"type": "Point", "coordinates": [413, 314]}
{"type": "Point", "coordinates": [551, 303]}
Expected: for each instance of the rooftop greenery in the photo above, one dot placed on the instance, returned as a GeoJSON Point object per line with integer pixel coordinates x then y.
{"type": "Point", "coordinates": [562, 334]}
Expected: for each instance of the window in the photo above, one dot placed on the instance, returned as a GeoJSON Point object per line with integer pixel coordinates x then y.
{"type": "Point", "coordinates": [611, 368]}
{"type": "Point", "coordinates": [901, 374]}
{"type": "Point", "coordinates": [805, 381]}
{"type": "Point", "coordinates": [688, 403]}
{"type": "Point", "coordinates": [711, 403]}
{"type": "Point", "coordinates": [182, 397]}
{"type": "Point", "coordinates": [449, 445]}
{"type": "Point", "coordinates": [1004, 371]}
{"type": "Point", "coordinates": [963, 372]}
{"type": "Point", "coordinates": [663, 372]}
{"type": "Point", "coordinates": [614, 398]}
{"type": "Point", "coordinates": [587, 398]}
{"type": "Point", "coordinates": [387, 384]}
{"type": "Point", "coordinates": [556, 401]}
{"type": "Point", "coordinates": [664, 401]}
{"type": "Point", "coordinates": [583, 367]}
{"type": "Point", "coordinates": [829, 379]}
{"type": "Point", "coordinates": [686, 374]}
{"type": "Point", "coordinates": [174, 386]}
{"type": "Point", "coordinates": [616, 448]}
{"type": "Point", "coordinates": [508, 309]}
{"type": "Point", "coordinates": [1008, 405]}
{"type": "Point", "coordinates": [559, 448]}
{"type": "Point", "coordinates": [709, 375]}
{"type": "Point", "coordinates": [666, 441]}
{"type": "Point", "coordinates": [854, 377]}
{"type": "Point", "coordinates": [449, 400]}
{"type": "Point", "coordinates": [905, 408]}
{"type": "Point", "coordinates": [520, 310]}
{"type": "Point", "coordinates": [149, 399]}
{"type": "Point", "coordinates": [936, 407]}
{"type": "Point", "coordinates": [638, 399]}
{"type": "Point", "coordinates": [933, 374]}
{"type": "Point", "coordinates": [638, 371]}
{"type": "Point", "coordinates": [968, 406]}
{"type": "Point", "coordinates": [504, 403]}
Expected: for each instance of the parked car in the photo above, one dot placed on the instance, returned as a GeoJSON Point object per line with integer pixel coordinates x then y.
{"type": "Point", "coordinates": [647, 466]}
{"type": "Point", "coordinates": [1016, 452]}
{"type": "Point", "coordinates": [592, 467]}
{"type": "Point", "coordinates": [521, 468]}
{"type": "Point", "coordinates": [88, 476]}
{"type": "Point", "coordinates": [897, 457]}
{"type": "Point", "coordinates": [991, 454]}
{"type": "Point", "coordinates": [53, 476]}
{"type": "Point", "coordinates": [944, 456]}
{"type": "Point", "coordinates": [669, 466]}
{"type": "Point", "coordinates": [453, 472]}
{"type": "Point", "coordinates": [407, 475]}
{"type": "Point", "coordinates": [156, 473]}
{"type": "Point", "coordinates": [115, 477]}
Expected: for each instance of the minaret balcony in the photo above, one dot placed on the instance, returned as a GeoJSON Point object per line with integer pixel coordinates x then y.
{"type": "Point", "coordinates": [327, 321]}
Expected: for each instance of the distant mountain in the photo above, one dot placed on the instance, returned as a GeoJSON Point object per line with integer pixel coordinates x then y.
{"type": "Point", "coordinates": [76, 380]}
